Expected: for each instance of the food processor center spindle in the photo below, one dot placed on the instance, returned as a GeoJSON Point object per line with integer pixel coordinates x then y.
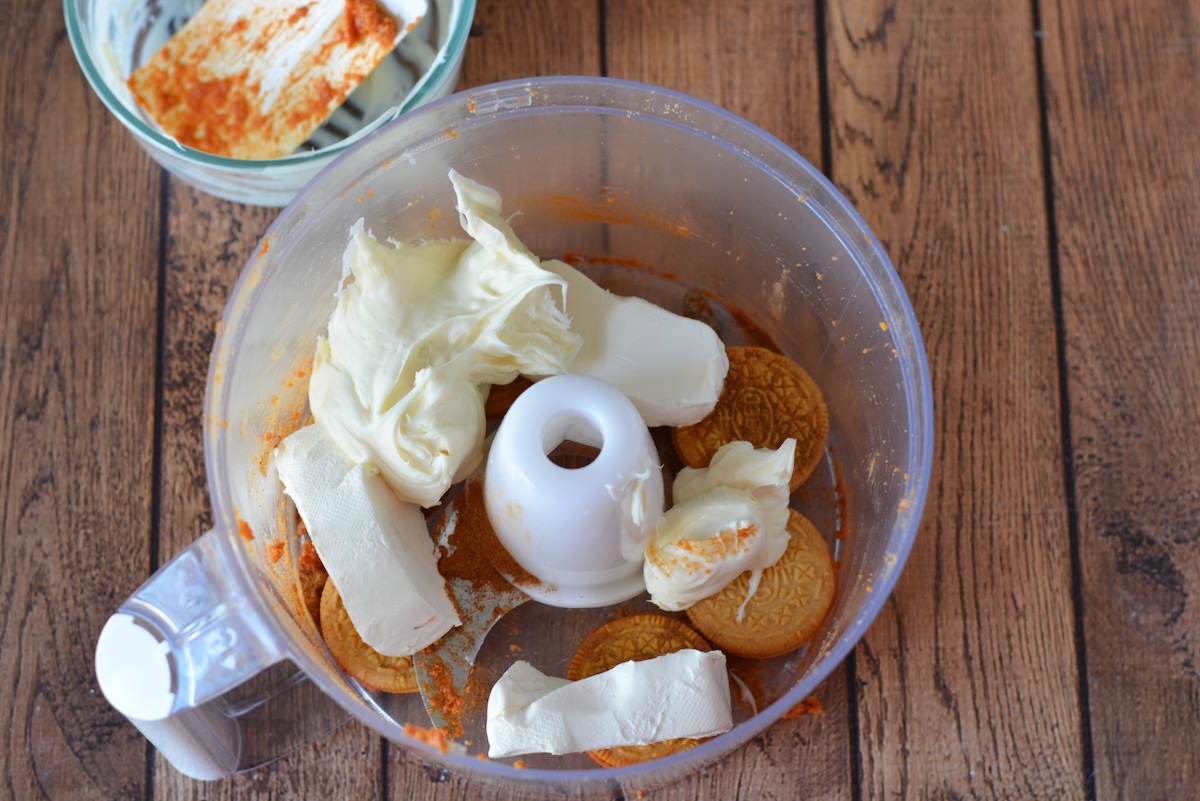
{"type": "Point", "coordinates": [581, 532]}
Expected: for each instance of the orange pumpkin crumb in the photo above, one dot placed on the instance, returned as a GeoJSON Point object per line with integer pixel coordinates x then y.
{"type": "Point", "coordinates": [809, 706]}
{"type": "Point", "coordinates": [435, 738]}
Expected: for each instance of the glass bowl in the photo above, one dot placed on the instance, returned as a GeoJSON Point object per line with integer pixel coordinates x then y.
{"type": "Point", "coordinates": [112, 38]}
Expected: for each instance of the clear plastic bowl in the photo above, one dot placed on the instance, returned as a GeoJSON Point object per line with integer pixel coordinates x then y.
{"type": "Point", "coordinates": [112, 38]}
{"type": "Point", "coordinates": [653, 193]}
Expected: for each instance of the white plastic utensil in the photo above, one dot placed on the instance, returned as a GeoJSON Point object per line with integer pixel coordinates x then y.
{"type": "Point", "coordinates": [252, 79]}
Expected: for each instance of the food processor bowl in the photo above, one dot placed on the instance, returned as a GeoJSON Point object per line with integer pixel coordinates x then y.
{"type": "Point", "coordinates": [651, 193]}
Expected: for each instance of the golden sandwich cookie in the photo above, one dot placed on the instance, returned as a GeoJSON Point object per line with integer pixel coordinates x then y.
{"type": "Point", "coordinates": [789, 606]}
{"type": "Point", "coordinates": [392, 674]}
{"type": "Point", "coordinates": [312, 580]}
{"type": "Point", "coordinates": [766, 398]}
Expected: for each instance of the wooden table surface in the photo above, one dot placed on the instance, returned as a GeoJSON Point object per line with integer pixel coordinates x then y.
{"type": "Point", "coordinates": [1033, 168]}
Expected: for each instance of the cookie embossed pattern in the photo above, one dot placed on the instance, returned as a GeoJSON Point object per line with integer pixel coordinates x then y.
{"type": "Point", "coordinates": [791, 601]}
{"type": "Point", "coordinates": [766, 399]}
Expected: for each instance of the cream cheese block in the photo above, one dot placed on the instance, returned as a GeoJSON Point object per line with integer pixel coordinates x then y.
{"type": "Point", "coordinates": [376, 548]}
{"type": "Point", "coordinates": [681, 694]}
{"type": "Point", "coordinates": [728, 517]}
{"type": "Point", "coordinates": [671, 367]}
{"type": "Point", "coordinates": [418, 335]}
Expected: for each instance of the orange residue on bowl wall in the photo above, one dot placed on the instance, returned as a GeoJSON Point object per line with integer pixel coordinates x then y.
{"type": "Point", "coordinates": [840, 500]}
{"type": "Point", "coordinates": [284, 416]}
{"type": "Point", "coordinates": [576, 259]}
{"type": "Point", "coordinates": [580, 209]}
{"type": "Point", "coordinates": [839, 492]}
{"type": "Point", "coordinates": [751, 330]}
{"type": "Point", "coordinates": [299, 612]}
{"type": "Point", "coordinates": [809, 706]}
{"type": "Point", "coordinates": [435, 738]}
{"type": "Point", "coordinates": [748, 672]}
{"type": "Point", "coordinates": [603, 211]}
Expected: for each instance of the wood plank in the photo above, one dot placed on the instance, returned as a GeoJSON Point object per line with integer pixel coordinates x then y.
{"type": "Point", "coordinates": [209, 242]}
{"type": "Point", "coordinates": [77, 298]}
{"type": "Point", "coordinates": [758, 61]}
{"type": "Point", "coordinates": [969, 676]}
{"type": "Point", "coordinates": [1124, 124]}
{"type": "Point", "coordinates": [531, 38]}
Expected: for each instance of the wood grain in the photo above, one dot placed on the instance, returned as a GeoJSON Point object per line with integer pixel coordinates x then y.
{"type": "Point", "coordinates": [77, 318]}
{"type": "Point", "coordinates": [531, 38]}
{"type": "Point", "coordinates": [757, 60]}
{"type": "Point", "coordinates": [969, 674]}
{"type": "Point", "coordinates": [209, 241]}
{"type": "Point", "coordinates": [1122, 113]}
